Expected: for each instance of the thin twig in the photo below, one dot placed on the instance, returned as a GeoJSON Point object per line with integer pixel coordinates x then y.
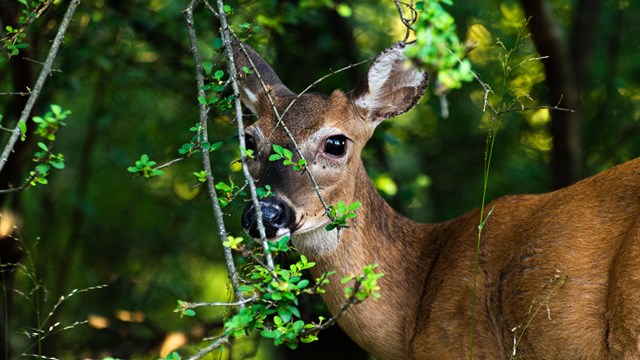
{"type": "Point", "coordinates": [407, 22]}
{"type": "Point", "coordinates": [169, 163]}
{"type": "Point", "coordinates": [206, 161]}
{"type": "Point", "coordinates": [214, 345]}
{"type": "Point", "coordinates": [44, 74]}
{"type": "Point", "coordinates": [225, 33]}
{"type": "Point", "coordinates": [19, 93]}
{"type": "Point", "coordinates": [351, 300]}
{"type": "Point", "coordinates": [189, 305]}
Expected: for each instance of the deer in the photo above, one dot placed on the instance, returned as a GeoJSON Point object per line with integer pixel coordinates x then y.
{"type": "Point", "coordinates": [558, 273]}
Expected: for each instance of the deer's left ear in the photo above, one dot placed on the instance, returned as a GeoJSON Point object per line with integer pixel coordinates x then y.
{"type": "Point", "coordinates": [391, 87]}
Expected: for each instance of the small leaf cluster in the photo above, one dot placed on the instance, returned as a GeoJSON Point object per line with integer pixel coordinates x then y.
{"type": "Point", "coordinates": [215, 85]}
{"type": "Point", "coordinates": [275, 312]}
{"type": "Point", "coordinates": [14, 38]}
{"type": "Point", "coordinates": [340, 213]}
{"type": "Point", "coordinates": [227, 192]}
{"type": "Point", "coordinates": [286, 155]}
{"type": "Point", "coordinates": [196, 144]}
{"type": "Point", "coordinates": [145, 167]}
{"type": "Point", "coordinates": [184, 309]}
{"type": "Point", "coordinates": [438, 46]}
{"type": "Point", "coordinates": [45, 158]}
{"type": "Point", "coordinates": [50, 122]}
{"type": "Point", "coordinates": [367, 284]}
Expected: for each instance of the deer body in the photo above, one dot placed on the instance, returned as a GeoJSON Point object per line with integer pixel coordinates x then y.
{"type": "Point", "coordinates": [558, 272]}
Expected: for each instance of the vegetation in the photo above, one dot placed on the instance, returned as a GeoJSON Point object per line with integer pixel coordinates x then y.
{"type": "Point", "coordinates": [99, 242]}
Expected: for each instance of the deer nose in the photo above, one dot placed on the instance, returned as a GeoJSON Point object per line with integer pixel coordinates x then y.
{"type": "Point", "coordinates": [276, 215]}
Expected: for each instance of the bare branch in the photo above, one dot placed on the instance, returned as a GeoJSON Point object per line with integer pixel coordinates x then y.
{"type": "Point", "coordinates": [407, 22]}
{"type": "Point", "coordinates": [214, 345]}
{"type": "Point", "coordinates": [44, 73]}
{"type": "Point", "coordinates": [169, 163]}
{"type": "Point", "coordinates": [206, 161]}
{"type": "Point", "coordinates": [188, 305]}
{"type": "Point", "coordinates": [226, 34]}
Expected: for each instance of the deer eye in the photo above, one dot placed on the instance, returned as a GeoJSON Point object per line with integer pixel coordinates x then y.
{"type": "Point", "coordinates": [336, 145]}
{"type": "Point", "coordinates": [249, 142]}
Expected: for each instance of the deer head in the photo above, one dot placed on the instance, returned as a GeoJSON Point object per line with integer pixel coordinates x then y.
{"type": "Point", "coordinates": [329, 131]}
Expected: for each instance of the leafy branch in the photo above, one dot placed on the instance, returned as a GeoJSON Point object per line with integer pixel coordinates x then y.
{"type": "Point", "coordinates": [14, 38]}
{"type": "Point", "coordinates": [20, 128]}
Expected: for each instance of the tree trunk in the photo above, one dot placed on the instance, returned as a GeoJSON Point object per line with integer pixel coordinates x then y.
{"type": "Point", "coordinates": [548, 37]}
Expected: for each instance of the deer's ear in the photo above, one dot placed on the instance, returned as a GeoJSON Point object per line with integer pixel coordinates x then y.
{"type": "Point", "coordinates": [252, 93]}
{"type": "Point", "coordinates": [391, 87]}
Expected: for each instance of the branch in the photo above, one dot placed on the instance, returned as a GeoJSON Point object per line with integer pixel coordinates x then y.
{"type": "Point", "coordinates": [44, 73]}
{"type": "Point", "coordinates": [214, 345]}
{"type": "Point", "coordinates": [188, 305]}
{"type": "Point", "coordinates": [407, 22]}
{"type": "Point", "coordinates": [225, 33]}
{"type": "Point", "coordinates": [206, 161]}
{"type": "Point", "coordinates": [351, 300]}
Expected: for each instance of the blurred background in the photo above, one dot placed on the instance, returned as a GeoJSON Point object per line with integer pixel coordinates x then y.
{"type": "Point", "coordinates": [126, 73]}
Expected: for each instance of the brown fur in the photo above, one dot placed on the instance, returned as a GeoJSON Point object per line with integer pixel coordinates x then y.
{"type": "Point", "coordinates": [560, 272]}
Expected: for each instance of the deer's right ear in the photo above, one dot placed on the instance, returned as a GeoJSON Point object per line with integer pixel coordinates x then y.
{"type": "Point", "coordinates": [252, 92]}
{"type": "Point", "coordinates": [391, 87]}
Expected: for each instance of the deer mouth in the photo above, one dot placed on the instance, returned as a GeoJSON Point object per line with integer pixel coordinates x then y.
{"type": "Point", "coordinates": [277, 218]}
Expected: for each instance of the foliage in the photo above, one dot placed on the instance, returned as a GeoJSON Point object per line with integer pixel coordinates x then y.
{"type": "Point", "coordinates": [340, 213]}
{"type": "Point", "coordinates": [273, 307]}
{"type": "Point", "coordinates": [145, 167]}
{"type": "Point", "coordinates": [286, 155]}
{"type": "Point", "coordinates": [14, 37]}
{"type": "Point", "coordinates": [47, 128]}
{"type": "Point", "coordinates": [438, 46]}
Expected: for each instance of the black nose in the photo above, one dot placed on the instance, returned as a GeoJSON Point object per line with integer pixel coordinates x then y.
{"type": "Point", "coordinates": [276, 215]}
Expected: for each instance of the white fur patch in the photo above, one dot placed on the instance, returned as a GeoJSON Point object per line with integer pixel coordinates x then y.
{"type": "Point", "coordinates": [316, 243]}
{"type": "Point", "coordinates": [380, 70]}
{"type": "Point", "coordinates": [252, 99]}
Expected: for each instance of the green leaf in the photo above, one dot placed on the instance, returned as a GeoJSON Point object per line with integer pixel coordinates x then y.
{"type": "Point", "coordinates": [218, 74]}
{"type": "Point", "coordinates": [57, 163]}
{"type": "Point", "coordinates": [275, 157]}
{"type": "Point", "coordinates": [285, 314]}
{"type": "Point", "coordinates": [23, 127]}
{"type": "Point", "coordinates": [43, 146]}
{"type": "Point", "coordinates": [216, 146]}
{"type": "Point", "coordinates": [202, 100]}
{"type": "Point", "coordinates": [217, 43]}
{"type": "Point", "coordinates": [270, 334]}
{"type": "Point", "coordinates": [207, 66]}
{"type": "Point", "coordinates": [56, 109]}
{"type": "Point", "coordinates": [189, 312]}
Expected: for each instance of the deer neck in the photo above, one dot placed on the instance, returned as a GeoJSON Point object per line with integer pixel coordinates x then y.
{"type": "Point", "coordinates": [378, 235]}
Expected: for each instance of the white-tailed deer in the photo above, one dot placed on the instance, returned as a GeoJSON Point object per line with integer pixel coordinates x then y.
{"type": "Point", "coordinates": [558, 272]}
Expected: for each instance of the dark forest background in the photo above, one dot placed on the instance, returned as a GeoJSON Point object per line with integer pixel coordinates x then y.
{"type": "Point", "coordinates": [126, 72]}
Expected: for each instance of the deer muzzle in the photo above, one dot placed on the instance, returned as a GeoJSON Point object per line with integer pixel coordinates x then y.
{"type": "Point", "coordinates": [276, 216]}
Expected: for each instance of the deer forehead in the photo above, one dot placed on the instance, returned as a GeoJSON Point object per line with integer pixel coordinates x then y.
{"type": "Point", "coordinates": [310, 115]}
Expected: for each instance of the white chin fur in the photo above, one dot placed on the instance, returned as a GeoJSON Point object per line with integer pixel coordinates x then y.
{"type": "Point", "coordinates": [317, 242]}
